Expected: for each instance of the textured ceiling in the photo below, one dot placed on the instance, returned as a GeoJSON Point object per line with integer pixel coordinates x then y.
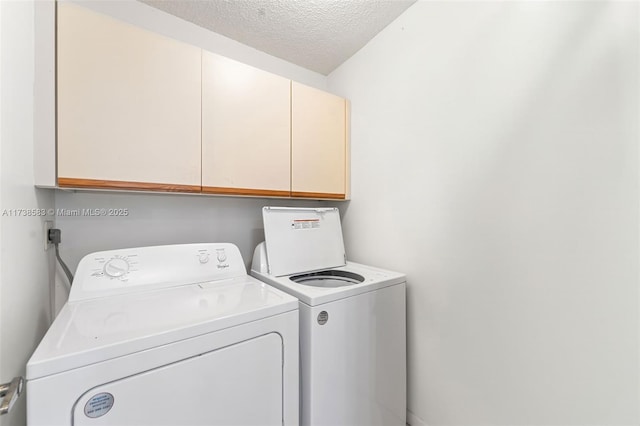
{"type": "Point", "coordinates": [316, 34]}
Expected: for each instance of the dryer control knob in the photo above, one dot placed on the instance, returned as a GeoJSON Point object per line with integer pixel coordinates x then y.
{"type": "Point", "coordinates": [203, 257]}
{"type": "Point", "coordinates": [116, 267]}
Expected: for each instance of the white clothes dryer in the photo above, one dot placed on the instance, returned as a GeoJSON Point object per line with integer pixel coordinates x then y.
{"type": "Point", "coordinates": [167, 335]}
{"type": "Point", "coordinates": [352, 320]}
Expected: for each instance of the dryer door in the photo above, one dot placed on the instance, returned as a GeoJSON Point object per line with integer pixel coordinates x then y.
{"type": "Point", "coordinates": [227, 386]}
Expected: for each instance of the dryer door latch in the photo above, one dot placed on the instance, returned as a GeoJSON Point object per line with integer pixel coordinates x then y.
{"type": "Point", "coordinates": [10, 392]}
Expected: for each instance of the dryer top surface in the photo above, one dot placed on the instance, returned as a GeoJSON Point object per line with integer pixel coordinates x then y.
{"type": "Point", "coordinates": [95, 329]}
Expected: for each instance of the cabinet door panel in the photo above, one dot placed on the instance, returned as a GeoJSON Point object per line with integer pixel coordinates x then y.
{"type": "Point", "coordinates": [246, 126]}
{"type": "Point", "coordinates": [318, 143]}
{"type": "Point", "coordinates": [128, 103]}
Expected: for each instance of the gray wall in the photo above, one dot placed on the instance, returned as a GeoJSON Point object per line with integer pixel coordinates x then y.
{"type": "Point", "coordinates": [495, 161]}
{"type": "Point", "coordinates": [155, 219]}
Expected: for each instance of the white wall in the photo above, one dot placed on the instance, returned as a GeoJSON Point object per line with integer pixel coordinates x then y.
{"type": "Point", "coordinates": [495, 161]}
{"type": "Point", "coordinates": [24, 282]}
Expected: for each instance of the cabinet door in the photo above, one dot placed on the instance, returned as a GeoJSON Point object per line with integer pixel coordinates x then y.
{"type": "Point", "coordinates": [128, 105]}
{"type": "Point", "coordinates": [246, 125]}
{"type": "Point", "coordinates": [318, 143]}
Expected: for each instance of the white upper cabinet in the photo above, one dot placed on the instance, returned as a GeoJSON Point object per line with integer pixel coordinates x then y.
{"type": "Point", "coordinates": [135, 110]}
{"type": "Point", "coordinates": [318, 143]}
{"type": "Point", "coordinates": [246, 129]}
{"type": "Point", "coordinates": [128, 105]}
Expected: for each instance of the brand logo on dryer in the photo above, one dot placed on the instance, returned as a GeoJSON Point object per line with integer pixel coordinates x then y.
{"type": "Point", "coordinates": [221, 256]}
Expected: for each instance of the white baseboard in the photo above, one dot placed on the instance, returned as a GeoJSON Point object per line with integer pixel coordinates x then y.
{"type": "Point", "coordinates": [414, 420]}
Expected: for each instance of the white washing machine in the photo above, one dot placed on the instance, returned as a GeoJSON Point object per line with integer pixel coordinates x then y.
{"type": "Point", "coordinates": [168, 335]}
{"type": "Point", "coordinates": [352, 320]}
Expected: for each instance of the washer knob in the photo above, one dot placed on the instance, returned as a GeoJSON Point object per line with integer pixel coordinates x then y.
{"type": "Point", "coordinates": [203, 258]}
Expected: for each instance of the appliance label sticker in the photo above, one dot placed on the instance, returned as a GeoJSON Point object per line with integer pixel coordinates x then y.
{"type": "Point", "coordinates": [323, 317]}
{"type": "Point", "coordinates": [298, 224]}
{"type": "Point", "coordinates": [98, 405]}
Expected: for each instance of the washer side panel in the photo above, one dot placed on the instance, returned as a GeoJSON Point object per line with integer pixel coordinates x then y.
{"type": "Point", "coordinates": [354, 365]}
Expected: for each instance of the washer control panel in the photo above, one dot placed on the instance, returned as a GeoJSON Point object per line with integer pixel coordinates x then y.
{"type": "Point", "coordinates": [144, 268]}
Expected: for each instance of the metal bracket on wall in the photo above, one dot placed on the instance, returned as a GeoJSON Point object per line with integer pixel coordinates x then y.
{"type": "Point", "coordinates": [10, 392]}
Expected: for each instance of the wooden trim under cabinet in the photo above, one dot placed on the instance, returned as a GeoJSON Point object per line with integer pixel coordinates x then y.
{"type": "Point", "coordinates": [245, 191]}
{"type": "Point", "coordinates": [317, 195]}
{"type": "Point", "coordinates": [76, 183]}
{"type": "Point", "coordinates": [122, 185]}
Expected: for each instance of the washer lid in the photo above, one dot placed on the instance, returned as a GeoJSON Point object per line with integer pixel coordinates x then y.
{"type": "Point", "coordinates": [302, 239]}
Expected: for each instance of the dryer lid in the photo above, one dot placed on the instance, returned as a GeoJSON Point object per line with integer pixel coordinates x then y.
{"type": "Point", "coordinates": [302, 239]}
